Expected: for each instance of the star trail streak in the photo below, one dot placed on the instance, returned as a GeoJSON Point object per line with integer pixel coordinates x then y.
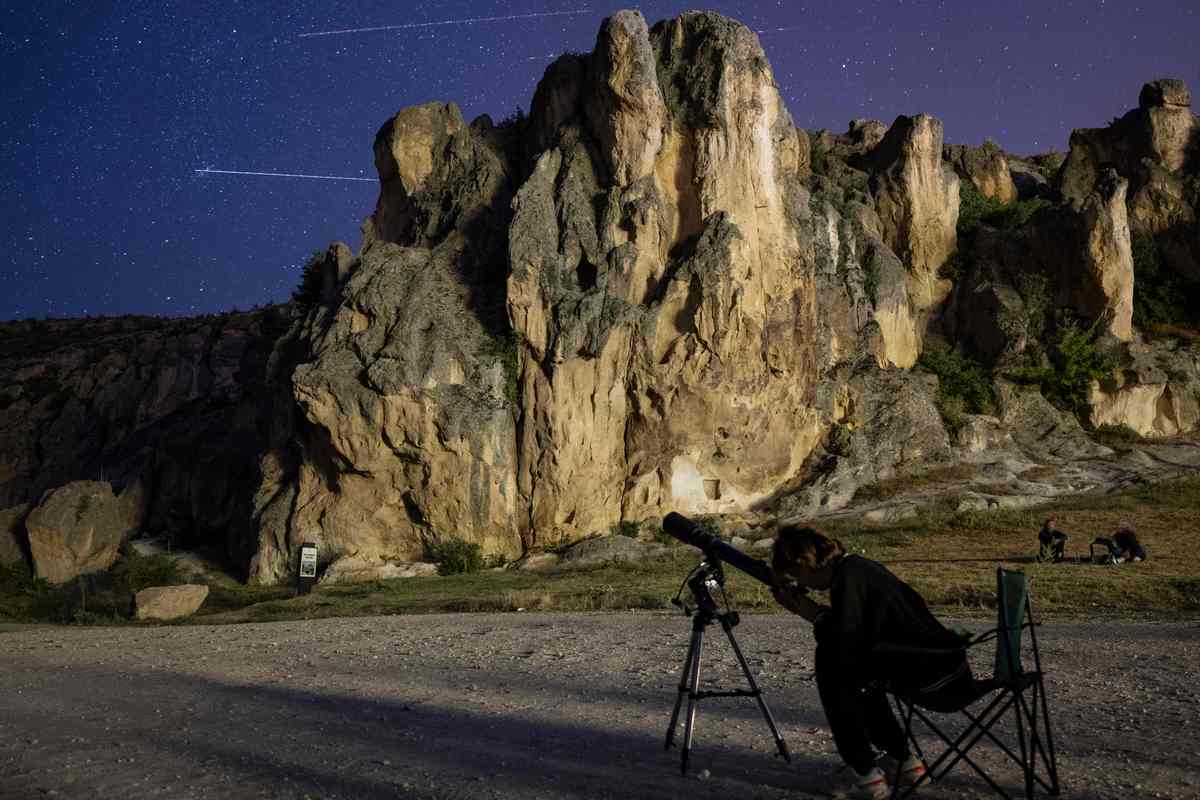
{"type": "Point", "coordinates": [463, 21]}
{"type": "Point", "coordinates": [207, 171]}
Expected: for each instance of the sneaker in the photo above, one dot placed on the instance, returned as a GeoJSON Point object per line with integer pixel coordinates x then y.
{"type": "Point", "coordinates": [849, 784]}
{"type": "Point", "coordinates": [912, 769]}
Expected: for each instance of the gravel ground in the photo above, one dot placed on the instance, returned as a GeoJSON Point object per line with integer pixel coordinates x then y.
{"type": "Point", "coordinates": [519, 706]}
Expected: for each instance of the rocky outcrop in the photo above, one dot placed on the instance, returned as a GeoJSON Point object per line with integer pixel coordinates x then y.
{"type": "Point", "coordinates": [887, 425]}
{"type": "Point", "coordinates": [1081, 251]}
{"type": "Point", "coordinates": [1156, 147]}
{"type": "Point", "coordinates": [78, 528]}
{"type": "Point", "coordinates": [916, 197]}
{"type": "Point", "coordinates": [986, 167]}
{"type": "Point", "coordinates": [1154, 393]}
{"type": "Point", "coordinates": [169, 602]}
{"type": "Point", "coordinates": [13, 543]}
{"type": "Point", "coordinates": [170, 404]}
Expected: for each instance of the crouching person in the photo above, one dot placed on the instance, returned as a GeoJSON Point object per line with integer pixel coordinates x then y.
{"type": "Point", "coordinates": [870, 609]}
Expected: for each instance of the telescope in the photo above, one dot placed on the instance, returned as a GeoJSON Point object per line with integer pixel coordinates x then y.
{"type": "Point", "coordinates": [688, 532]}
{"type": "Point", "coordinates": [703, 581]}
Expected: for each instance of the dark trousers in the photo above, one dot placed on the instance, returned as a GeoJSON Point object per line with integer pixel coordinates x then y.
{"type": "Point", "coordinates": [859, 715]}
{"type": "Point", "coordinates": [857, 708]}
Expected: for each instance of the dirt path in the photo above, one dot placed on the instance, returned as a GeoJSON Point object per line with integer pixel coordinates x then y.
{"type": "Point", "coordinates": [516, 706]}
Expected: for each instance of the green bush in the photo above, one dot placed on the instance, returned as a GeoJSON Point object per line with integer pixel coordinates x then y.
{"type": "Point", "coordinates": [818, 158]}
{"type": "Point", "coordinates": [975, 209]}
{"type": "Point", "coordinates": [308, 294]}
{"type": "Point", "coordinates": [136, 572]}
{"type": "Point", "coordinates": [514, 120]}
{"type": "Point", "coordinates": [455, 556]}
{"type": "Point", "coordinates": [964, 385]}
{"type": "Point", "coordinates": [1160, 296]}
{"type": "Point", "coordinates": [1075, 363]}
{"type": "Point", "coordinates": [628, 528]}
{"type": "Point", "coordinates": [503, 348]}
{"type": "Point", "coordinates": [871, 278]}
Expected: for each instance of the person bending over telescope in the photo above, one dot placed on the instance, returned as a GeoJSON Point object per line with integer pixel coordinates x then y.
{"type": "Point", "coordinates": [869, 609]}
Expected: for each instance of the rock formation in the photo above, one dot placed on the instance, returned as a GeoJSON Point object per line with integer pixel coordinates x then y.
{"type": "Point", "coordinates": [653, 293]}
{"type": "Point", "coordinates": [986, 167]}
{"type": "Point", "coordinates": [77, 528]}
{"type": "Point", "coordinates": [169, 602]}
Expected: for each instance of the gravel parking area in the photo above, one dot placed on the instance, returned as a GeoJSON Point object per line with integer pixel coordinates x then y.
{"type": "Point", "coordinates": [519, 705]}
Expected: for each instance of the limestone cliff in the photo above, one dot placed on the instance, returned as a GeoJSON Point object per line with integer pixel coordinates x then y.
{"type": "Point", "coordinates": [653, 293]}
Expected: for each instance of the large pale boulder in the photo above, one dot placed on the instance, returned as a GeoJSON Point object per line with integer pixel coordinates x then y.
{"type": "Point", "coordinates": [77, 529]}
{"type": "Point", "coordinates": [12, 534]}
{"type": "Point", "coordinates": [916, 197]}
{"type": "Point", "coordinates": [986, 167]}
{"type": "Point", "coordinates": [169, 602]}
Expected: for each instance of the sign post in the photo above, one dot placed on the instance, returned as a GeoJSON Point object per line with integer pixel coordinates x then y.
{"type": "Point", "coordinates": [307, 575]}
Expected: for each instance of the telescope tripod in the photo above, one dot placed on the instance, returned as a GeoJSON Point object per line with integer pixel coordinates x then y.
{"type": "Point", "coordinates": [706, 576]}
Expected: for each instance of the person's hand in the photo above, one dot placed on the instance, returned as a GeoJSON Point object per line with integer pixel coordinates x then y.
{"type": "Point", "coordinates": [796, 600]}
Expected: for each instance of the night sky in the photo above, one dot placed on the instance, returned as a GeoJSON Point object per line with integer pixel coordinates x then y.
{"type": "Point", "coordinates": [110, 108]}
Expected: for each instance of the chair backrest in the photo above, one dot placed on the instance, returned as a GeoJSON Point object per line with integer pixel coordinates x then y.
{"type": "Point", "coordinates": [1012, 603]}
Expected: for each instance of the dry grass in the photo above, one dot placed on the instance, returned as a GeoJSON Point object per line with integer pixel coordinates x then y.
{"type": "Point", "coordinates": [950, 558]}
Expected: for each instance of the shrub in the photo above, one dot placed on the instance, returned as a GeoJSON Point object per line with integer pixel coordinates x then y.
{"type": "Point", "coordinates": [1074, 364]}
{"type": "Point", "coordinates": [514, 120]}
{"type": "Point", "coordinates": [136, 572]}
{"type": "Point", "coordinates": [818, 158]}
{"type": "Point", "coordinates": [308, 293]}
{"type": "Point", "coordinates": [964, 386]}
{"type": "Point", "coordinates": [503, 348]}
{"type": "Point", "coordinates": [455, 556]}
{"type": "Point", "coordinates": [1029, 321]}
{"type": "Point", "coordinates": [975, 209]}
{"type": "Point", "coordinates": [628, 528]}
{"type": "Point", "coordinates": [1160, 296]}
{"type": "Point", "coordinates": [871, 278]}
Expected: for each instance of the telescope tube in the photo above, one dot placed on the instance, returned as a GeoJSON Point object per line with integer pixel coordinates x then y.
{"type": "Point", "coordinates": [689, 532]}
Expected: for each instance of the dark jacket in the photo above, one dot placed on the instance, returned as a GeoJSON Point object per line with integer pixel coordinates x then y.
{"type": "Point", "coordinates": [870, 607]}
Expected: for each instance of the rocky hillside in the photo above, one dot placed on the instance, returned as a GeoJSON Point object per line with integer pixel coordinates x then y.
{"type": "Point", "coordinates": [159, 419]}
{"type": "Point", "coordinates": [655, 292]}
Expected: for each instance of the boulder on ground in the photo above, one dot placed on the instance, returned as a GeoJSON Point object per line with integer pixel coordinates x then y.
{"type": "Point", "coordinates": [169, 602]}
{"type": "Point", "coordinates": [12, 531]}
{"type": "Point", "coordinates": [77, 529]}
{"type": "Point", "coordinates": [354, 570]}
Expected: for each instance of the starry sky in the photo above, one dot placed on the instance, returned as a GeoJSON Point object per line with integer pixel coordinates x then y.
{"type": "Point", "coordinates": [110, 108]}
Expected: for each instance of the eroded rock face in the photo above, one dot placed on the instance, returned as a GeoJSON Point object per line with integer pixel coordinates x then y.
{"type": "Point", "coordinates": [986, 167]}
{"type": "Point", "coordinates": [916, 197]}
{"type": "Point", "coordinates": [12, 534]}
{"type": "Point", "coordinates": [404, 431]}
{"type": "Point", "coordinates": [1154, 393]}
{"type": "Point", "coordinates": [625, 108]}
{"type": "Point", "coordinates": [1082, 251]}
{"type": "Point", "coordinates": [1156, 147]}
{"type": "Point", "coordinates": [170, 404]}
{"type": "Point", "coordinates": [667, 339]}
{"type": "Point", "coordinates": [77, 529]}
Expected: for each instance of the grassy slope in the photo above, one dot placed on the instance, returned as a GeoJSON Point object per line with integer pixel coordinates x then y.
{"type": "Point", "coordinates": [949, 558]}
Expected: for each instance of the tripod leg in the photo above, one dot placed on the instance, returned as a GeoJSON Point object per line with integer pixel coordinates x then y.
{"type": "Point", "coordinates": [694, 686]}
{"type": "Point", "coordinates": [683, 688]}
{"type": "Point", "coordinates": [780, 744]}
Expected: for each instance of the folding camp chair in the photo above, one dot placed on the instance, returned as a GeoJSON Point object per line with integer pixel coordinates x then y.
{"type": "Point", "coordinates": [1010, 687]}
